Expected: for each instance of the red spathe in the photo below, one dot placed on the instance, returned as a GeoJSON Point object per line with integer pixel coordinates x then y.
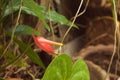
{"type": "Point", "coordinates": [43, 44]}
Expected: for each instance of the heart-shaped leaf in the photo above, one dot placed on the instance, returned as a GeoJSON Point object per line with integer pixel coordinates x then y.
{"type": "Point", "coordinates": [61, 68]}
{"type": "Point", "coordinates": [80, 71]}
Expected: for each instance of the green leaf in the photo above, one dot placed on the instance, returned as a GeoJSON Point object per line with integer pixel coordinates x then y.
{"type": "Point", "coordinates": [30, 7]}
{"type": "Point", "coordinates": [12, 7]}
{"type": "Point", "coordinates": [58, 18]}
{"type": "Point", "coordinates": [30, 53]}
{"type": "Point", "coordinates": [59, 68]}
{"type": "Point", "coordinates": [38, 11]}
{"type": "Point", "coordinates": [21, 63]}
{"type": "Point", "coordinates": [80, 71]}
{"type": "Point", "coordinates": [23, 30]}
{"type": "Point", "coordinates": [34, 7]}
{"type": "Point", "coordinates": [9, 57]}
{"type": "Point", "coordinates": [2, 79]}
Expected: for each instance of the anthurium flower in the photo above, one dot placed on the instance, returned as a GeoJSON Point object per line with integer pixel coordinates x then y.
{"type": "Point", "coordinates": [45, 45]}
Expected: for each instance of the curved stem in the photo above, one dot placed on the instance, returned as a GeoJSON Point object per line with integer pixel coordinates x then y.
{"type": "Point", "coordinates": [116, 35]}
{"type": "Point", "coordinates": [12, 36]}
{"type": "Point", "coordinates": [72, 21]}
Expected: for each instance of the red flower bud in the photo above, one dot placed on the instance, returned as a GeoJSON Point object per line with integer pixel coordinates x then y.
{"type": "Point", "coordinates": [45, 44]}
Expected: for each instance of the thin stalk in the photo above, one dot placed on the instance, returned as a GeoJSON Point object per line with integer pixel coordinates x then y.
{"type": "Point", "coordinates": [12, 36]}
{"type": "Point", "coordinates": [116, 37]}
{"type": "Point", "coordinates": [72, 21]}
{"type": "Point", "coordinates": [51, 27]}
{"type": "Point", "coordinates": [16, 59]}
{"type": "Point", "coordinates": [83, 10]}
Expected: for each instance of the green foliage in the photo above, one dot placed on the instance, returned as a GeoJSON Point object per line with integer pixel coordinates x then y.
{"type": "Point", "coordinates": [23, 30]}
{"type": "Point", "coordinates": [2, 79]}
{"type": "Point", "coordinates": [11, 7]}
{"type": "Point", "coordinates": [21, 63]}
{"type": "Point", "coordinates": [29, 52]}
{"type": "Point", "coordinates": [58, 18]}
{"type": "Point", "coordinates": [80, 71]}
{"type": "Point", "coordinates": [38, 11]}
{"type": "Point", "coordinates": [61, 68]}
{"type": "Point", "coordinates": [3, 4]}
{"type": "Point", "coordinates": [33, 7]}
{"type": "Point", "coordinates": [9, 57]}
